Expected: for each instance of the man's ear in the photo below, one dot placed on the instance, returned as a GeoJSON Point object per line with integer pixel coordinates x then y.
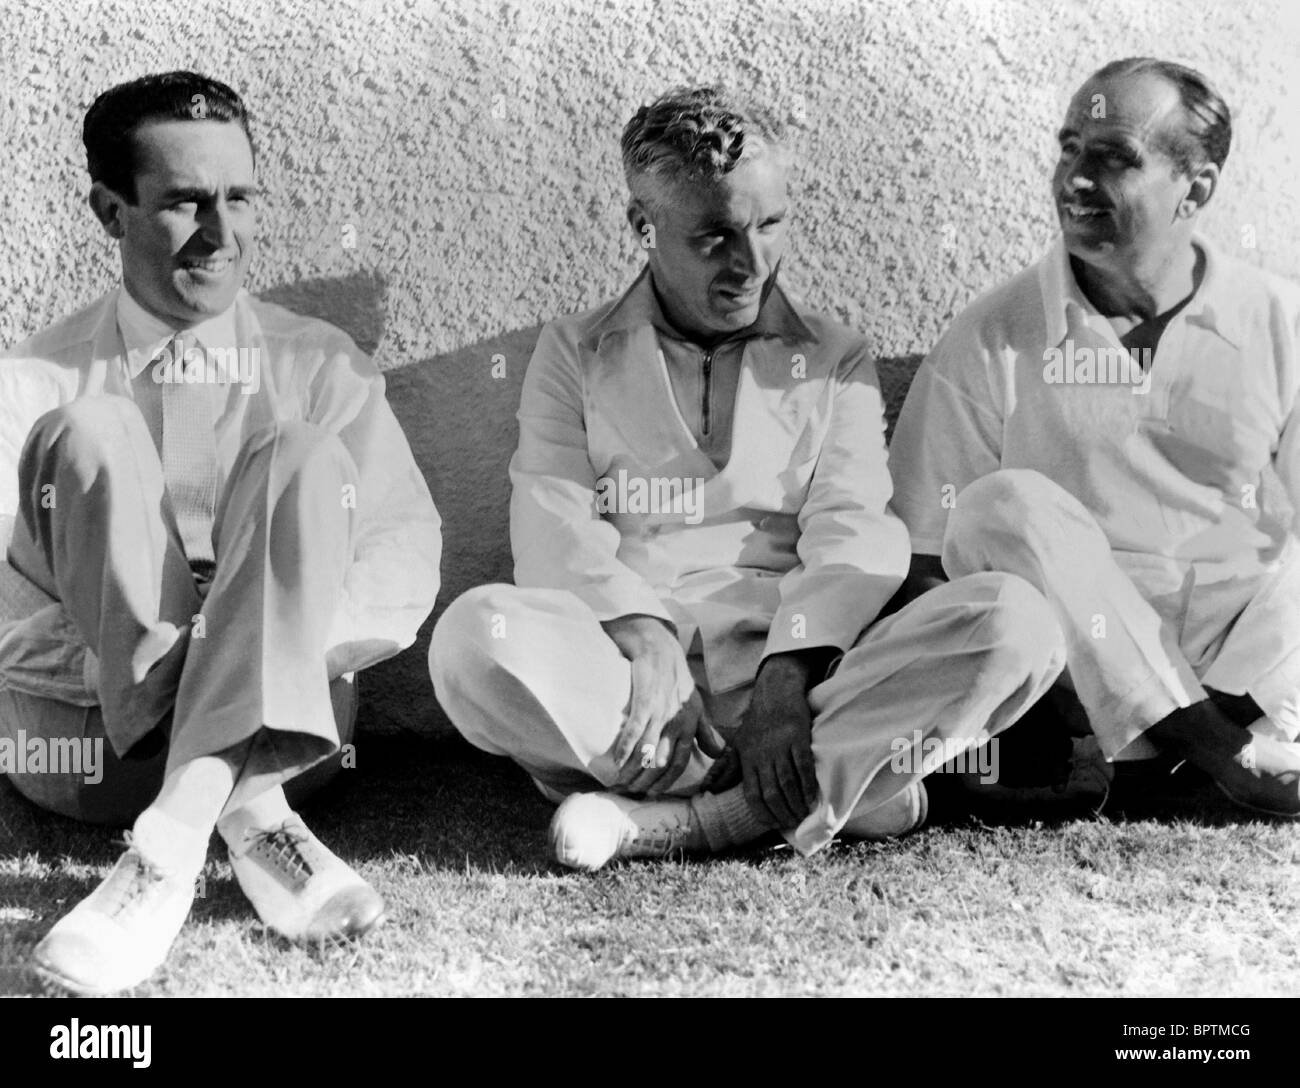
{"type": "Point", "coordinates": [642, 221]}
{"type": "Point", "coordinates": [1204, 184]}
{"type": "Point", "coordinates": [638, 216]}
{"type": "Point", "coordinates": [107, 206]}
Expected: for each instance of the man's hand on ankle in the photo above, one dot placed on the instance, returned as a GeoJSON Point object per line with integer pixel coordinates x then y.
{"type": "Point", "coordinates": [774, 741]}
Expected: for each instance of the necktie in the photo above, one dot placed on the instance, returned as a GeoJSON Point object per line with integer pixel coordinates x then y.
{"type": "Point", "coordinates": [189, 458]}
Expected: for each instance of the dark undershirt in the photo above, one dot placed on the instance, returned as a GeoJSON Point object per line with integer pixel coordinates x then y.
{"type": "Point", "coordinates": [1144, 337]}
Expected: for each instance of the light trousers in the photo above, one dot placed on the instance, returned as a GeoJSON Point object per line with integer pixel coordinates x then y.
{"type": "Point", "coordinates": [1143, 637]}
{"type": "Point", "coordinates": [530, 674]}
{"type": "Point", "coordinates": [243, 661]}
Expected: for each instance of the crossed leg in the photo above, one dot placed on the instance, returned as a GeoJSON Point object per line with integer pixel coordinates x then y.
{"type": "Point", "coordinates": [1127, 661]}
{"type": "Point", "coordinates": [237, 675]}
{"type": "Point", "coordinates": [530, 674]}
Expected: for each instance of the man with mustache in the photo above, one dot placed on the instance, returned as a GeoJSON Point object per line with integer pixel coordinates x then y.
{"type": "Point", "coordinates": [212, 520]}
{"type": "Point", "coordinates": [687, 675]}
{"type": "Point", "coordinates": [1156, 516]}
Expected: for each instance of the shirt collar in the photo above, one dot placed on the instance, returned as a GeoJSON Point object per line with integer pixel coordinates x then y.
{"type": "Point", "coordinates": [1217, 305]}
{"type": "Point", "coordinates": [145, 335]}
{"type": "Point", "coordinates": [639, 306]}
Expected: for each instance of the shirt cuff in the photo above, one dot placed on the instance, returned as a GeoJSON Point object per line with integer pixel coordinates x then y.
{"type": "Point", "coordinates": [829, 610]}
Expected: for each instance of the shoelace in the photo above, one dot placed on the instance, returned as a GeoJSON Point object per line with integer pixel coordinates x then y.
{"type": "Point", "coordinates": [128, 890]}
{"type": "Point", "coordinates": [661, 836]}
{"type": "Point", "coordinates": [281, 847]}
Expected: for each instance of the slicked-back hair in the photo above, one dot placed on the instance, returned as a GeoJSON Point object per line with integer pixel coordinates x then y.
{"type": "Point", "coordinates": [693, 134]}
{"type": "Point", "coordinates": [114, 116]}
{"type": "Point", "coordinates": [1207, 132]}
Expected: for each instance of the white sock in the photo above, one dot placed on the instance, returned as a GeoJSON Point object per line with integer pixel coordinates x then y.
{"type": "Point", "coordinates": [727, 820]}
{"type": "Point", "coordinates": [195, 792]}
{"type": "Point", "coordinates": [265, 811]}
{"type": "Point", "coordinates": [176, 847]}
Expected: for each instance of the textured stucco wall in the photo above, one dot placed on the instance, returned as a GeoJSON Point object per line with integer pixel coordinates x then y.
{"type": "Point", "coordinates": [442, 175]}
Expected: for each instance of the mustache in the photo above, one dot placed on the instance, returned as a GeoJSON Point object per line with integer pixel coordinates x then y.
{"type": "Point", "coordinates": [1100, 204]}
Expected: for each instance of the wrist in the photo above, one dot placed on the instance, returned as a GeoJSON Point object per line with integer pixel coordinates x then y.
{"type": "Point", "coordinates": [807, 667]}
{"type": "Point", "coordinates": [638, 632]}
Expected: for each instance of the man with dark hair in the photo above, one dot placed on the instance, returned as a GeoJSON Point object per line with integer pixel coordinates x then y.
{"type": "Point", "coordinates": [693, 654]}
{"type": "Point", "coordinates": [212, 521]}
{"type": "Point", "coordinates": [108, 131]}
{"type": "Point", "coordinates": [1119, 426]}
{"type": "Point", "coordinates": [1205, 133]}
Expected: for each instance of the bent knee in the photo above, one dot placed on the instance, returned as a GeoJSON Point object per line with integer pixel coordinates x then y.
{"type": "Point", "coordinates": [296, 443]}
{"type": "Point", "coordinates": [304, 460]}
{"type": "Point", "coordinates": [1018, 626]}
{"type": "Point", "coordinates": [294, 433]}
{"type": "Point", "coordinates": [89, 427]}
{"type": "Point", "coordinates": [471, 632]}
{"type": "Point", "coordinates": [1005, 503]}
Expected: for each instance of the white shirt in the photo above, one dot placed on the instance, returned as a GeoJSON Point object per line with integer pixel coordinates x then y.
{"type": "Point", "coordinates": [301, 369]}
{"type": "Point", "coordinates": [791, 545]}
{"type": "Point", "coordinates": [1201, 472]}
{"type": "Point", "coordinates": [144, 335]}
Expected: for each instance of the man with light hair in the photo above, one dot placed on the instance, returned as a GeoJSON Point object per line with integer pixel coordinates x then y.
{"type": "Point", "coordinates": [1158, 519]}
{"type": "Point", "coordinates": [689, 679]}
{"type": "Point", "coordinates": [201, 558]}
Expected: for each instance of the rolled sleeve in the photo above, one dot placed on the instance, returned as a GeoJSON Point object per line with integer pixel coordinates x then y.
{"type": "Point", "coordinates": [391, 586]}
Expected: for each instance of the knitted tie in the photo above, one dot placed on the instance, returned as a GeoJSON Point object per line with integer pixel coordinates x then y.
{"type": "Point", "coordinates": [189, 458]}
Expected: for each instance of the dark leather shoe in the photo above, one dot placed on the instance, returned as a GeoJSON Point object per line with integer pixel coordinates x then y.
{"type": "Point", "coordinates": [1263, 777]}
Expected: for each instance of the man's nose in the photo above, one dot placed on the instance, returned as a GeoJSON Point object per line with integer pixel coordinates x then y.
{"type": "Point", "coordinates": [748, 258]}
{"type": "Point", "coordinates": [217, 225]}
{"type": "Point", "coordinates": [1076, 175]}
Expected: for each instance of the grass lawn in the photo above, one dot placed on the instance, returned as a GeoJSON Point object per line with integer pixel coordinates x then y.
{"type": "Point", "coordinates": [1164, 895]}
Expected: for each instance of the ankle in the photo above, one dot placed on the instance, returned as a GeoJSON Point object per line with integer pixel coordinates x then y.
{"type": "Point", "coordinates": [175, 847]}
{"type": "Point", "coordinates": [195, 793]}
{"type": "Point", "coordinates": [726, 819]}
{"type": "Point", "coordinates": [1201, 733]}
{"type": "Point", "coordinates": [266, 811]}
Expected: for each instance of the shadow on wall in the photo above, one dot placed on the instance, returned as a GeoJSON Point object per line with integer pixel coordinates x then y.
{"type": "Point", "coordinates": [464, 454]}
{"type": "Point", "coordinates": [466, 466]}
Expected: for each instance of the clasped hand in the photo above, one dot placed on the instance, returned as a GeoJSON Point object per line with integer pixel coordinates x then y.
{"type": "Point", "coordinates": [664, 720]}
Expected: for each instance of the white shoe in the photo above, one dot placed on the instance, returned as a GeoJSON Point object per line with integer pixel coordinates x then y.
{"type": "Point", "coordinates": [300, 888]}
{"type": "Point", "coordinates": [591, 829]}
{"type": "Point", "coordinates": [902, 813]}
{"type": "Point", "coordinates": [120, 933]}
